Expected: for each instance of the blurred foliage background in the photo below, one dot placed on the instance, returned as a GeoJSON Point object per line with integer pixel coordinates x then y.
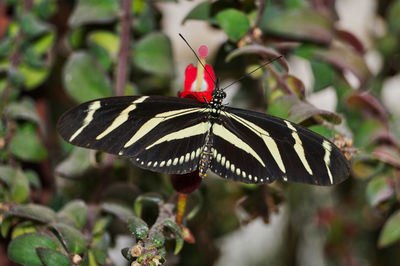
{"type": "Point", "coordinates": [63, 205]}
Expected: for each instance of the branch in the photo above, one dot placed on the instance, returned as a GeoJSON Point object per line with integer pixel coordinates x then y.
{"type": "Point", "coordinates": [123, 54]}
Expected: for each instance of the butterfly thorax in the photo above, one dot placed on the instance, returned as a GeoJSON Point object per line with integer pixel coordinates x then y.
{"type": "Point", "coordinates": [215, 104]}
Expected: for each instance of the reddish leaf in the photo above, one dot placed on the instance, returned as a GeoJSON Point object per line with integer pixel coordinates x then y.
{"type": "Point", "coordinates": [367, 102]}
{"type": "Point", "coordinates": [301, 25]}
{"type": "Point", "coordinates": [308, 114]}
{"type": "Point", "coordinates": [351, 39]}
{"type": "Point", "coordinates": [258, 50]}
{"type": "Point", "coordinates": [344, 59]}
{"type": "Point", "coordinates": [389, 155]}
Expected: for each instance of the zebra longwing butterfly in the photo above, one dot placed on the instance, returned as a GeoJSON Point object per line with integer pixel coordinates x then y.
{"type": "Point", "coordinates": [174, 135]}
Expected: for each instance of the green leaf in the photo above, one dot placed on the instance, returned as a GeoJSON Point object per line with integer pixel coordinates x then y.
{"type": "Point", "coordinates": [33, 178]}
{"type": "Point", "coordinates": [153, 53]}
{"type": "Point", "coordinates": [7, 173]}
{"type": "Point", "coordinates": [32, 76]}
{"type": "Point", "coordinates": [31, 26]}
{"type": "Point", "coordinates": [75, 211]}
{"type": "Point", "coordinates": [5, 46]}
{"type": "Point", "coordinates": [73, 240]}
{"type": "Point", "coordinates": [23, 228]}
{"type": "Point", "coordinates": [157, 238]}
{"type": "Point", "coordinates": [199, 12]}
{"type": "Point", "coordinates": [19, 188]}
{"type": "Point", "coordinates": [100, 246]}
{"type": "Point", "coordinates": [107, 40]}
{"type": "Point", "coordinates": [391, 230]}
{"type": "Point", "coordinates": [379, 190]}
{"type": "Point", "coordinates": [394, 16]}
{"type": "Point", "coordinates": [280, 106]}
{"type": "Point", "coordinates": [146, 21]}
{"type": "Point", "coordinates": [22, 249]}
{"type": "Point", "coordinates": [5, 227]}
{"type": "Point", "coordinates": [146, 198]}
{"type": "Point", "coordinates": [101, 225]}
{"type": "Point", "coordinates": [365, 132]}
{"type": "Point", "coordinates": [137, 227]}
{"type": "Point", "coordinates": [324, 75]}
{"type": "Point", "coordinates": [75, 164]}
{"type": "Point", "coordinates": [44, 8]}
{"type": "Point", "coordinates": [44, 43]}
{"type": "Point", "coordinates": [24, 109]}
{"type": "Point", "coordinates": [126, 253]}
{"type": "Point", "coordinates": [83, 78]}
{"type": "Point", "coordinates": [51, 257]}
{"type": "Point", "coordinates": [94, 11]}
{"type": "Point", "coordinates": [234, 23]}
{"type": "Point", "coordinates": [26, 146]}
{"type": "Point", "coordinates": [174, 227]}
{"type": "Point", "coordinates": [121, 211]}
{"type": "Point", "coordinates": [33, 212]}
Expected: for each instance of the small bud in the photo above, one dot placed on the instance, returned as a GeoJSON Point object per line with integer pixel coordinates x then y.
{"type": "Point", "coordinates": [257, 33]}
{"type": "Point", "coordinates": [76, 259]}
{"type": "Point", "coordinates": [156, 261]}
{"type": "Point", "coordinates": [136, 250]}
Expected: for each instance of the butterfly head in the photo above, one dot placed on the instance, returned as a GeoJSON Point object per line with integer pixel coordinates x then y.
{"type": "Point", "coordinates": [218, 95]}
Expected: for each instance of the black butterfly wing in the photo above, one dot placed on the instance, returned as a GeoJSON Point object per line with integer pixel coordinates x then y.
{"type": "Point", "coordinates": [163, 134]}
{"type": "Point", "coordinates": [264, 148]}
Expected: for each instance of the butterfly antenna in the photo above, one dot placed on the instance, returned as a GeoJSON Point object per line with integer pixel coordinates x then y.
{"type": "Point", "coordinates": [198, 59]}
{"type": "Point", "coordinates": [251, 72]}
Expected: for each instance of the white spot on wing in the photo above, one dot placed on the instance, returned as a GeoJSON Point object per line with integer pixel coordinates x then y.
{"type": "Point", "coordinates": [198, 152]}
{"type": "Point", "coordinates": [218, 158]}
{"type": "Point", "coordinates": [175, 161]}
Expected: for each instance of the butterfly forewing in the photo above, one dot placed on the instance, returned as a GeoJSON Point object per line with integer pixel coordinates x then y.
{"type": "Point", "coordinates": [288, 152]}
{"type": "Point", "coordinates": [164, 134]}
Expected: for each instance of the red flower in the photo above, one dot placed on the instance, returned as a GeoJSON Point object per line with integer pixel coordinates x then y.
{"type": "Point", "coordinates": [199, 84]}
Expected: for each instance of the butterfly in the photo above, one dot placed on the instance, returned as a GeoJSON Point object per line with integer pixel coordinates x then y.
{"type": "Point", "coordinates": [176, 135]}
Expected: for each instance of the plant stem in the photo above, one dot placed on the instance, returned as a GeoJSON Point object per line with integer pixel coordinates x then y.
{"type": "Point", "coordinates": [123, 54]}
